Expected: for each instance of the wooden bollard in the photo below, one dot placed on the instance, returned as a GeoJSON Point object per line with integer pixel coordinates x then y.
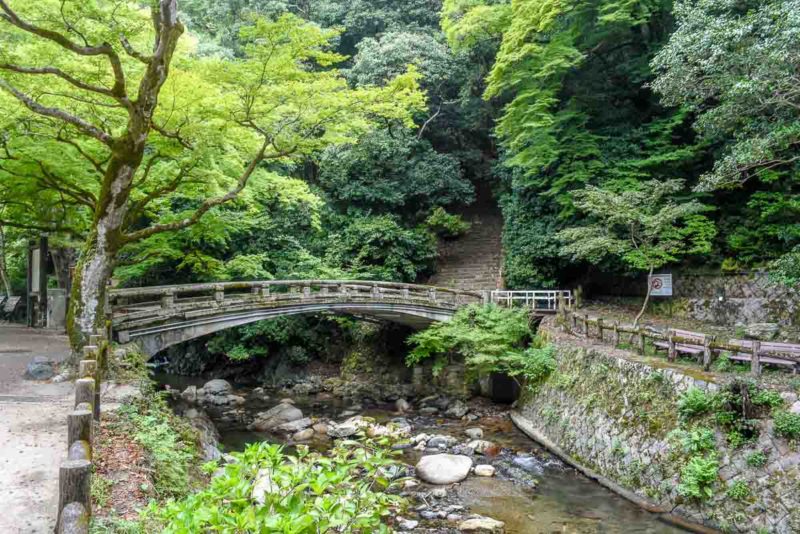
{"type": "Point", "coordinates": [755, 361]}
{"type": "Point", "coordinates": [74, 485]}
{"type": "Point", "coordinates": [84, 391]}
{"type": "Point", "coordinates": [87, 368]}
{"type": "Point", "coordinates": [642, 341]}
{"type": "Point", "coordinates": [616, 334]}
{"type": "Point", "coordinates": [79, 425]}
{"type": "Point", "coordinates": [600, 328]}
{"type": "Point", "coordinates": [586, 325]}
{"type": "Point", "coordinates": [74, 519]}
{"type": "Point", "coordinates": [90, 352]}
{"type": "Point", "coordinates": [574, 321]}
{"type": "Point", "coordinates": [707, 352]}
{"type": "Point", "coordinates": [672, 354]}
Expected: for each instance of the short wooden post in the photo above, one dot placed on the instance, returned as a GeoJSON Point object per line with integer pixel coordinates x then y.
{"type": "Point", "coordinates": [219, 294]}
{"type": "Point", "coordinates": [600, 328]}
{"type": "Point", "coordinates": [74, 519]}
{"type": "Point", "coordinates": [586, 325]}
{"type": "Point", "coordinates": [79, 426]}
{"type": "Point", "coordinates": [168, 299]}
{"type": "Point", "coordinates": [87, 368]}
{"type": "Point", "coordinates": [642, 341]}
{"type": "Point", "coordinates": [90, 352]}
{"type": "Point", "coordinates": [84, 391]}
{"type": "Point", "coordinates": [672, 354]}
{"type": "Point", "coordinates": [75, 481]}
{"type": "Point", "coordinates": [616, 334]}
{"type": "Point", "coordinates": [755, 361]}
{"type": "Point", "coordinates": [707, 352]}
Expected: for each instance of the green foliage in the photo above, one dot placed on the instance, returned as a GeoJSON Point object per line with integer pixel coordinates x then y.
{"type": "Point", "coordinates": [698, 477]}
{"type": "Point", "coordinates": [756, 459]}
{"type": "Point", "coordinates": [343, 491]}
{"type": "Point", "coordinates": [380, 248]}
{"type": "Point", "coordinates": [767, 397]}
{"type": "Point", "coordinates": [446, 225]}
{"type": "Point", "coordinates": [697, 440]}
{"type": "Point", "coordinates": [738, 491]}
{"type": "Point", "coordinates": [695, 402]}
{"type": "Point", "coordinates": [787, 424]}
{"type": "Point", "coordinates": [490, 339]}
{"type": "Point", "coordinates": [170, 443]}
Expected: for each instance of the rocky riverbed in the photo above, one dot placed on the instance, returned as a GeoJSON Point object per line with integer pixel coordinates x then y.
{"type": "Point", "coordinates": [468, 469]}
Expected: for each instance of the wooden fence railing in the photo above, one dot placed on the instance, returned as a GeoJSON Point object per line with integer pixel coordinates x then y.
{"type": "Point", "coordinates": [574, 322]}
{"type": "Point", "coordinates": [75, 473]}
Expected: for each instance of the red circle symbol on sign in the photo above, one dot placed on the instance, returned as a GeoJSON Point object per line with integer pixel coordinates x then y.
{"type": "Point", "coordinates": [657, 283]}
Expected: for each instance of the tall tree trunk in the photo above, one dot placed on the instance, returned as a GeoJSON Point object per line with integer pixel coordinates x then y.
{"type": "Point", "coordinates": [3, 264]}
{"type": "Point", "coordinates": [646, 300]}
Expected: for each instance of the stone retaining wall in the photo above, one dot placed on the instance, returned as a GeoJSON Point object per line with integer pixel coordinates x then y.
{"type": "Point", "coordinates": [613, 416]}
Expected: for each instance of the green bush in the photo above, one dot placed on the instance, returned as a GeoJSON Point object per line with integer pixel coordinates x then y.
{"type": "Point", "coordinates": [767, 397]}
{"type": "Point", "coordinates": [698, 477]}
{"type": "Point", "coordinates": [445, 225]}
{"type": "Point", "coordinates": [698, 440]}
{"type": "Point", "coordinates": [738, 491]}
{"type": "Point", "coordinates": [787, 424]}
{"type": "Point", "coordinates": [756, 459]}
{"type": "Point", "coordinates": [341, 491]}
{"type": "Point", "coordinates": [695, 402]}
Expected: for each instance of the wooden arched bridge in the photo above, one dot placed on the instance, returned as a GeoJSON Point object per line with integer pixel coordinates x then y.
{"type": "Point", "coordinates": [162, 316]}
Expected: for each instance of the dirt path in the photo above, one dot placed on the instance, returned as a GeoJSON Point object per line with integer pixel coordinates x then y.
{"type": "Point", "coordinates": [32, 431]}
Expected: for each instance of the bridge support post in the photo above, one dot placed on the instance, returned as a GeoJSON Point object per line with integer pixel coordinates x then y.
{"type": "Point", "coordinates": [168, 299]}
{"type": "Point", "coordinates": [406, 293]}
{"type": "Point", "coordinates": [376, 292]}
{"type": "Point", "coordinates": [432, 295]}
{"type": "Point", "coordinates": [306, 292]}
{"type": "Point", "coordinates": [265, 291]}
{"type": "Point", "coordinates": [219, 294]}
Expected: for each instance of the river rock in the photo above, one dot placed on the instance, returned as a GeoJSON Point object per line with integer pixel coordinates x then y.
{"type": "Point", "coordinates": [441, 442]}
{"type": "Point", "coordinates": [320, 428]}
{"type": "Point", "coordinates": [484, 470]}
{"type": "Point", "coordinates": [402, 405]}
{"type": "Point", "coordinates": [474, 433]}
{"type": "Point", "coordinates": [429, 410]}
{"type": "Point", "coordinates": [190, 394]}
{"type": "Point", "coordinates": [443, 469]}
{"type": "Point", "coordinates": [294, 426]}
{"type": "Point", "coordinates": [481, 446]}
{"type": "Point", "coordinates": [457, 409]}
{"type": "Point", "coordinates": [286, 400]}
{"type": "Point", "coordinates": [263, 486]}
{"type": "Point", "coordinates": [40, 368]}
{"type": "Point", "coordinates": [276, 416]}
{"type": "Point", "coordinates": [406, 524]}
{"type": "Point", "coordinates": [303, 435]}
{"type": "Point", "coordinates": [343, 430]}
{"type": "Point", "coordinates": [482, 525]}
{"type": "Point", "coordinates": [217, 387]}
{"type": "Point", "coordinates": [529, 463]}
{"type": "Point", "coordinates": [763, 331]}
{"type": "Point", "coordinates": [439, 493]}
{"type": "Point", "coordinates": [795, 408]}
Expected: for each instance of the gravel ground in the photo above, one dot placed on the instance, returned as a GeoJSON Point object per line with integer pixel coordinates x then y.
{"type": "Point", "coordinates": [32, 431]}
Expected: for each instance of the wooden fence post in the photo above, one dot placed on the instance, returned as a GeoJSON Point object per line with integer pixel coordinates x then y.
{"type": "Point", "coordinates": [755, 361]}
{"type": "Point", "coordinates": [586, 325]}
{"type": "Point", "coordinates": [672, 354]}
{"type": "Point", "coordinates": [642, 341]}
{"type": "Point", "coordinates": [600, 328]}
{"type": "Point", "coordinates": [616, 334]}
{"type": "Point", "coordinates": [79, 426]}
{"type": "Point", "coordinates": [74, 481]}
{"type": "Point", "coordinates": [84, 391]}
{"type": "Point", "coordinates": [574, 321]}
{"type": "Point", "coordinates": [707, 352]}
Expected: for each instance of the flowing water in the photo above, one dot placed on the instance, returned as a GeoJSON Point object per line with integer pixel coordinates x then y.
{"type": "Point", "coordinates": [533, 492]}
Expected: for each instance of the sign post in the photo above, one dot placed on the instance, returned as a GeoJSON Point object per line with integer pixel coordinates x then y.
{"type": "Point", "coordinates": [661, 286]}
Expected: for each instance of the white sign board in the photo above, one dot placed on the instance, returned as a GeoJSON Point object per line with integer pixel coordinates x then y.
{"type": "Point", "coordinates": [661, 285]}
{"type": "Point", "coordinates": [35, 266]}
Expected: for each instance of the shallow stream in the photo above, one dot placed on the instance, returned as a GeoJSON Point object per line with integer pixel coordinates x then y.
{"type": "Point", "coordinates": [533, 492]}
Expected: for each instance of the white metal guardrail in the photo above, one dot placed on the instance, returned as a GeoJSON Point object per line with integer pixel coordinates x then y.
{"type": "Point", "coordinates": [539, 300]}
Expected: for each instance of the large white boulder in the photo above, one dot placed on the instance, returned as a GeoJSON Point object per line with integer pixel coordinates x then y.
{"type": "Point", "coordinates": [443, 468]}
{"type": "Point", "coordinates": [275, 417]}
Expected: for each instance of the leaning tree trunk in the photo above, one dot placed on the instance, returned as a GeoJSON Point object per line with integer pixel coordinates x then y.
{"type": "Point", "coordinates": [3, 264]}
{"type": "Point", "coordinates": [646, 300]}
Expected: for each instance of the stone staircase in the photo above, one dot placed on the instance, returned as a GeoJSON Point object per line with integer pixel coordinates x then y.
{"type": "Point", "coordinates": [473, 261]}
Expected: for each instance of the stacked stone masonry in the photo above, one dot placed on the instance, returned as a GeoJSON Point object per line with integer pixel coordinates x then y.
{"type": "Point", "coordinates": [614, 415]}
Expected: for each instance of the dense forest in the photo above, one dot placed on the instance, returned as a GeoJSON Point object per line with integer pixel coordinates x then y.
{"type": "Point", "coordinates": [681, 111]}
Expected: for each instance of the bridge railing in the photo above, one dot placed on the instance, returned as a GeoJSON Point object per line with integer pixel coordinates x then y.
{"type": "Point", "coordinates": [538, 300]}
{"type": "Point", "coordinates": [132, 300]}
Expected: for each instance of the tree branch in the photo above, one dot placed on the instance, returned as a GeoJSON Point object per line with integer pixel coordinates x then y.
{"type": "Point", "coordinates": [55, 113]}
{"type": "Point", "coordinates": [61, 74]}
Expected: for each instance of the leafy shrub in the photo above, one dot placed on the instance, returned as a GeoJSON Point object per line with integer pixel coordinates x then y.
{"type": "Point", "coordinates": [735, 439]}
{"type": "Point", "coordinates": [343, 491]}
{"type": "Point", "coordinates": [695, 402]}
{"type": "Point", "coordinates": [787, 424]}
{"type": "Point", "coordinates": [738, 491]}
{"type": "Point", "coordinates": [698, 440]}
{"type": "Point", "coordinates": [767, 397]}
{"type": "Point", "coordinates": [445, 225]}
{"type": "Point", "coordinates": [491, 339]}
{"type": "Point", "coordinates": [698, 477]}
{"type": "Point", "coordinates": [756, 459]}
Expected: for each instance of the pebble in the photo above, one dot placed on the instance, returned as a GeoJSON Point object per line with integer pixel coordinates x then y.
{"type": "Point", "coordinates": [484, 470]}
{"type": "Point", "coordinates": [439, 493]}
{"type": "Point", "coordinates": [474, 433]}
{"type": "Point", "coordinates": [406, 524]}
